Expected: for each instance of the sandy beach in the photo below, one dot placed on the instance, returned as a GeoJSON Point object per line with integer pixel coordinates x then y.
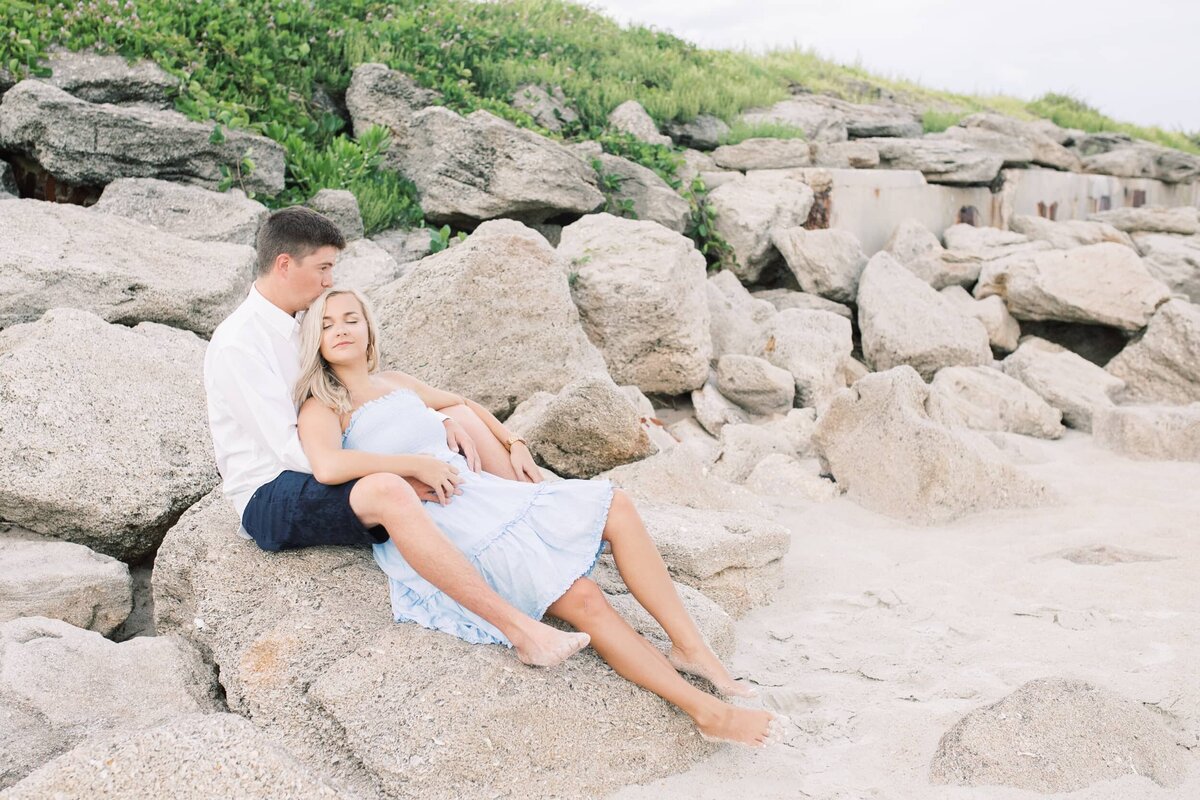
{"type": "Point", "coordinates": [884, 635]}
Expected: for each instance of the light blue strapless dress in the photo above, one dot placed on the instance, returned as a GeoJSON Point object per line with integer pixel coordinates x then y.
{"type": "Point", "coordinates": [530, 541]}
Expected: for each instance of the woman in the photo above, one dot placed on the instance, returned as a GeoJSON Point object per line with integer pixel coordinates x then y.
{"type": "Point", "coordinates": [533, 542]}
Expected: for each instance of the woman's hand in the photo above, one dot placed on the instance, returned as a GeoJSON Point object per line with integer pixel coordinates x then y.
{"type": "Point", "coordinates": [440, 476]}
{"type": "Point", "coordinates": [459, 441]}
{"type": "Point", "coordinates": [522, 462]}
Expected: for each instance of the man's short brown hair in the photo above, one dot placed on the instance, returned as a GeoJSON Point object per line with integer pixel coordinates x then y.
{"type": "Point", "coordinates": [296, 231]}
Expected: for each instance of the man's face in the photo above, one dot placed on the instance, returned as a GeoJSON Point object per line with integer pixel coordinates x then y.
{"type": "Point", "coordinates": [309, 276]}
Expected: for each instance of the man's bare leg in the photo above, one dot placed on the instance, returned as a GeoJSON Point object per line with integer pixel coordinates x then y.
{"type": "Point", "coordinates": [388, 500]}
{"type": "Point", "coordinates": [493, 457]}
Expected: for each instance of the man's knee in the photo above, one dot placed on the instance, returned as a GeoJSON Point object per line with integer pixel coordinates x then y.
{"type": "Point", "coordinates": [375, 496]}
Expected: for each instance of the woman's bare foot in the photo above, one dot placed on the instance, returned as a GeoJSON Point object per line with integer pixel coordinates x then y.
{"type": "Point", "coordinates": [744, 726]}
{"type": "Point", "coordinates": [703, 663]}
{"type": "Point", "coordinates": [543, 646]}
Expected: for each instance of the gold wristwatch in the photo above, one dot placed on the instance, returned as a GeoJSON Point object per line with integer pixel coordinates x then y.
{"type": "Point", "coordinates": [510, 441]}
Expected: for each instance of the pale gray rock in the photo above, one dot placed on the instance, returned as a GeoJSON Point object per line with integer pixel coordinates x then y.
{"type": "Point", "coordinates": [1069, 382]}
{"type": "Point", "coordinates": [784, 299]}
{"type": "Point", "coordinates": [748, 209]}
{"type": "Point", "coordinates": [845, 155]}
{"type": "Point", "coordinates": [54, 255]}
{"type": "Point", "coordinates": [713, 410]}
{"type": "Point", "coordinates": [797, 428]}
{"type": "Point", "coordinates": [1174, 260]}
{"type": "Point", "coordinates": [88, 144]}
{"type": "Point", "coordinates": [864, 120]}
{"type": "Point", "coordinates": [652, 198]}
{"type": "Point", "coordinates": [705, 132]}
{"type": "Point", "coordinates": [683, 476]}
{"type": "Point", "coordinates": [939, 160]}
{"type": "Point", "coordinates": [755, 384]}
{"type": "Point", "coordinates": [547, 107]}
{"type": "Point", "coordinates": [906, 321]}
{"type": "Point", "coordinates": [1119, 155]}
{"type": "Point", "coordinates": [74, 684]}
{"type": "Point", "coordinates": [1162, 433]}
{"type": "Point", "coordinates": [694, 163]}
{"type": "Point", "coordinates": [782, 476]}
{"type": "Point", "coordinates": [1099, 283]}
{"type": "Point", "coordinates": [630, 117]}
{"type": "Point", "coordinates": [1046, 149]}
{"type": "Point", "coordinates": [190, 757]}
{"type": "Point", "coordinates": [739, 321]}
{"type": "Point", "coordinates": [340, 207]}
{"type": "Point", "coordinates": [989, 244]}
{"type": "Point", "coordinates": [825, 262]}
{"type": "Point", "coordinates": [1163, 366]}
{"type": "Point", "coordinates": [1184, 220]}
{"type": "Point", "coordinates": [763, 154]}
{"type": "Point", "coordinates": [64, 581]}
{"type": "Point", "coordinates": [87, 456]}
{"type": "Point", "coordinates": [986, 399]}
{"type": "Point", "coordinates": [587, 428]}
{"type": "Point", "coordinates": [1067, 233]}
{"type": "Point", "coordinates": [365, 266]}
{"type": "Point", "coordinates": [641, 293]}
{"type": "Point", "coordinates": [522, 334]}
{"type": "Point", "coordinates": [188, 212]}
{"type": "Point", "coordinates": [743, 447]}
{"type": "Point", "coordinates": [111, 79]}
{"type": "Point", "coordinates": [820, 123]}
{"type": "Point", "coordinates": [313, 658]}
{"type": "Point", "coordinates": [378, 95]}
{"type": "Point", "coordinates": [922, 254]}
{"type": "Point", "coordinates": [1002, 328]}
{"type": "Point", "coordinates": [886, 453]}
{"type": "Point", "coordinates": [1014, 151]}
{"type": "Point", "coordinates": [813, 347]}
{"type": "Point", "coordinates": [1056, 735]}
{"type": "Point", "coordinates": [405, 245]}
{"type": "Point", "coordinates": [910, 240]}
{"type": "Point", "coordinates": [715, 176]}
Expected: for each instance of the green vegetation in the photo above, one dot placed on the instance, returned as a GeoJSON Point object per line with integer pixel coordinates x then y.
{"type": "Point", "coordinates": [937, 121]}
{"type": "Point", "coordinates": [272, 66]}
{"type": "Point", "coordinates": [740, 131]}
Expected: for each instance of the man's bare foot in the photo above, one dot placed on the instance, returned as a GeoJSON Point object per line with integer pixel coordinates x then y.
{"type": "Point", "coordinates": [744, 726]}
{"type": "Point", "coordinates": [544, 646]}
{"type": "Point", "coordinates": [703, 663]}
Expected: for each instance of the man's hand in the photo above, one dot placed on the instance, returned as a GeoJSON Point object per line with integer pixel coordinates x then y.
{"type": "Point", "coordinates": [424, 490]}
{"type": "Point", "coordinates": [522, 461]}
{"type": "Point", "coordinates": [459, 441]}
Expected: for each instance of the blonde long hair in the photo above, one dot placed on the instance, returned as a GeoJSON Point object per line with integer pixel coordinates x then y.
{"type": "Point", "coordinates": [317, 379]}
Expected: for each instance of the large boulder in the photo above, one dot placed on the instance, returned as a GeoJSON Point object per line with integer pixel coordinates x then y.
{"type": "Point", "coordinates": [1056, 735]}
{"type": "Point", "coordinates": [630, 117]}
{"type": "Point", "coordinates": [190, 757]}
{"type": "Point", "coordinates": [749, 208]}
{"type": "Point", "coordinates": [883, 449]}
{"type": "Point", "coordinates": [985, 243]}
{"type": "Point", "coordinates": [1119, 155]}
{"type": "Point", "coordinates": [740, 322]}
{"type": "Point", "coordinates": [1174, 260]}
{"type": "Point", "coordinates": [188, 212]}
{"type": "Point", "coordinates": [986, 399]}
{"type": "Point", "coordinates": [829, 119]}
{"type": "Point", "coordinates": [1069, 382]}
{"type": "Point", "coordinates": [763, 154]}
{"type": "Point", "coordinates": [340, 207]}
{"type": "Point", "coordinates": [105, 431]}
{"type": "Point", "coordinates": [641, 293]}
{"type": "Point", "coordinates": [755, 384]}
{"type": "Point", "coordinates": [845, 155]}
{"type": "Point", "coordinates": [1068, 233]}
{"type": "Point", "coordinates": [88, 144]}
{"type": "Point", "coordinates": [491, 319]}
{"type": "Point", "coordinates": [825, 262]}
{"type": "Point", "coordinates": [813, 346]}
{"type": "Point", "coordinates": [112, 79]}
{"type": "Point", "coordinates": [587, 428]}
{"type": "Point", "coordinates": [60, 685]}
{"type": "Point", "coordinates": [906, 321]}
{"type": "Point", "coordinates": [704, 132]}
{"type": "Point", "coordinates": [61, 580]}
{"type": "Point", "coordinates": [1044, 149]}
{"type": "Point", "coordinates": [55, 255]}
{"type": "Point", "coordinates": [312, 657]}
{"type": "Point", "coordinates": [1099, 283]}
{"type": "Point", "coordinates": [918, 249]}
{"type": "Point", "coordinates": [939, 160]}
{"type": "Point", "coordinates": [548, 107]}
{"type": "Point", "coordinates": [1165, 433]}
{"type": "Point", "coordinates": [784, 299]}
{"type": "Point", "coordinates": [1003, 329]}
{"type": "Point", "coordinates": [683, 476]}
{"type": "Point", "coordinates": [366, 266]}
{"type": "Point", "coordinates": [1163, 366]}
{"type": "Point", "coordinates": [714, 410]}
{"type": "Point", "coordinates": [378, 95]}
{"type": "Point", "coordinates": [1014, 151]}
{"type": "Point", "coordinates": [651, 198]}
{"type": "Point", "coordinates": [819, 123]}
{"type": "Point", "coordinates": [1183, 220]}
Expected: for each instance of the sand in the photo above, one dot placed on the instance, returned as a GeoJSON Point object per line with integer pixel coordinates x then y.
{"type": "Point", "coordinates": [884, 635]}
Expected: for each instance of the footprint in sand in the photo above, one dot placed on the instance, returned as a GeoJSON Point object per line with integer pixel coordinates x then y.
{"type": "Point", "coordinates": [1102, 555]}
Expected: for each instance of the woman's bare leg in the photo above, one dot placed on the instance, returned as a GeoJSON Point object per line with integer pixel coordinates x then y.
{"type": "Point", "coordinates": [493, 457]}
{"type": "Point", "coordinates": [637, 660]}
{"type": "Point", "coordinates": [646, 575]}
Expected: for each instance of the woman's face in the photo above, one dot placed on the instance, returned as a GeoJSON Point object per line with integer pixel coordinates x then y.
{"type": "Point", "coordinates": [343, 330]}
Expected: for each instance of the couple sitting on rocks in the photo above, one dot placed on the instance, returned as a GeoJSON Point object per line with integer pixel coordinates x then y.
{"type": "Point", "coordinates": [473, 542]}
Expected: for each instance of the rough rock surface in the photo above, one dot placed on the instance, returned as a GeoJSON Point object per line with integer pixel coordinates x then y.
{"type": "Point", "coordinates": [587, 428]}
{"type": "Point", "coordinates": [939, 160]}
{"type": "Point", "coordinates": [1014, 151]}
{"type": "Point", "coordinates": [1045, 150]}
{"type": "Point", "coordinates": [779, 475]}
{"type": "Point", "coordinates": [405, 245]}
{"type": "Point", "coordinates": [1058, 735]}
{"type": "Point", "coordinates": [755, 384]}
{"type": "Point", "coordinates": [922, 253]}
{"type": "Point", "coordinates": [64, 581]}
{"type": "Point", "coordinates": [652, 198]}
{"type": "Point", "coordinates": [1100, 283]}
{"type": "Point", "coordinates": [55, 255]}
{"type": "Point", "coordinates": [188, 212]}
{"type": "Point", "coordinates": [1070, 383]}
{"type": "Point", "coordinates": [739, 321]}
{"type": "Point", "coordinates": [1184, 220]}
{"type": "Point", "coordinates": [813, 346]}
{"type": "Point", "coordinates": [749, 208]}
{"type": "Point", "coordinates": [547, 107]}
{"type": "Point", "coordinates": [642, 297]}
{"type": "Point", "coordinates": [191, 757]}
{"type": "Point", "coordinates": [703, 133]}
{"type": "Point", "coordinates": [986, 399]}
{"type": "Point", "coordinates": [365, 266]}
{"type": "Point", "coordinates": [312, 657]}
{"type": "Point", "coordinates": [784, 299]}
{"type": "Point", "coordinates": [630, 117]}
{"type": "Point", "coordinates": [1174, 260]}
{"type": "Point", "coordinates": [88, 144]}
{"type": "Point", "coordinates": [1067, 233]}
{"type": "Point", "coordinates": [101, 451]}
{"type": "Point", "coordinates": [845, 155]}
{"type": "Point", "coordinates": [60, 685]}
{"type": "Point", "coordinates": [341, 207]}
{"type": "Point", "coordinates": [1164, 365]}
{"type": "Point", "coordinates": [888, 455]}
{"type": "Point", "coordinates": [1117, 154]}
{"type": "Point", "coordinates": [819, 123]}
{"type": "Point", "coordinates": [683, 476]}
{"type": "Point", "coordinates": [1003, 329]}
{"type": "Point", "coordinates": [378, 95]}
{"type": "Point", "coordinates": [713, 410]}
{"type": "Point", "coordinates": [110, 79]}
{"type": "Point", "coordinates": [742, 447]}
{"type": "Point", "coordinates": [521, 334]}
{"type": "Point", "coordinates": [763, 154]}
{"type": "Point", "coordinates": [1164, 433]}
{"type": "Point", "coordinates": [905, 321]}
{"type": "Point", "coordinates": [825, 262]}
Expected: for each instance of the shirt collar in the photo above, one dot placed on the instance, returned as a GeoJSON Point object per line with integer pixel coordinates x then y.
{"type": "Point", "coordinates": [280, 321]}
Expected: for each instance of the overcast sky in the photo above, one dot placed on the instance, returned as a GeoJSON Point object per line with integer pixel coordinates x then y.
{"type": "Point", "coordinates": [1137, 60]}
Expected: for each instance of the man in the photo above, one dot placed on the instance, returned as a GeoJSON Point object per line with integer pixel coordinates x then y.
{"type": "Point", "coordinates": [250, 369]}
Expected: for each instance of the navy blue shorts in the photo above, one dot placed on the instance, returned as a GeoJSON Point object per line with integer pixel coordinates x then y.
{"type": "Point", "coordinates": [297, 510]}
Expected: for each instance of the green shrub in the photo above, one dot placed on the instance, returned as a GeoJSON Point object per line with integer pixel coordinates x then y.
{"type": "Point", "coordinates": [938, 121]}
{"type": "Point", "coordinates": [740, 131]}
{"type": "Point", "coordinates": [1071, 112]}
